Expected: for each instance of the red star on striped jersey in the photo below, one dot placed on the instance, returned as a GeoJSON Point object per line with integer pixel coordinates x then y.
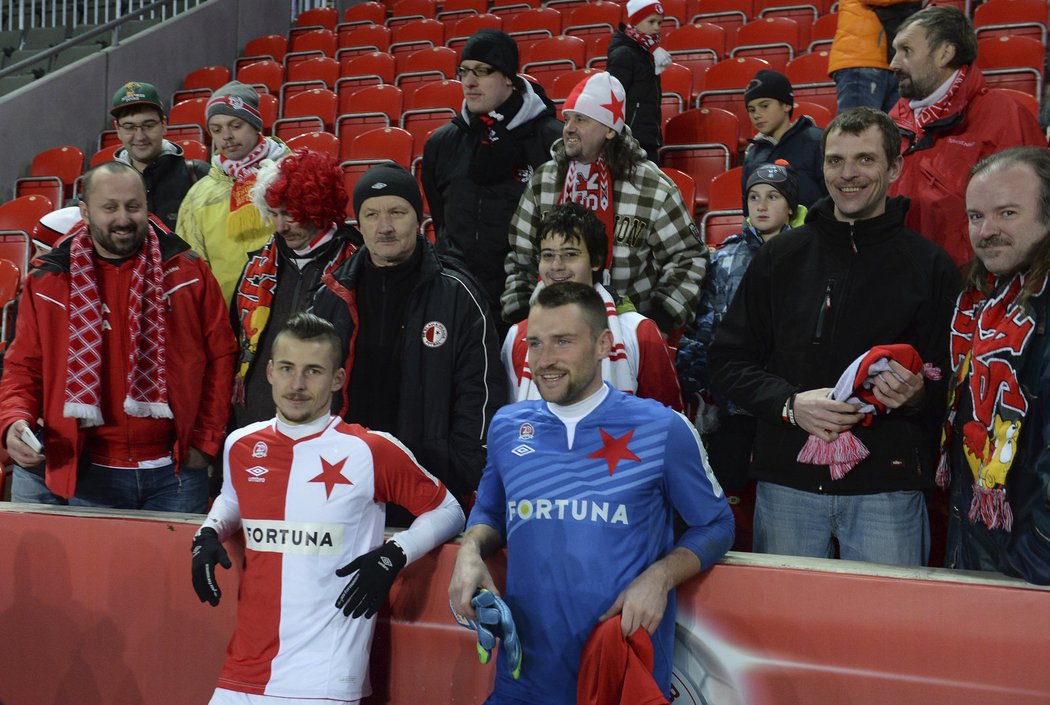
{"type": "Point", "coordinates": [331, 475]}
{"type": "Point", "coordinates": [614, 449]}
{"type": "Point", "coordinates": [615, 107]}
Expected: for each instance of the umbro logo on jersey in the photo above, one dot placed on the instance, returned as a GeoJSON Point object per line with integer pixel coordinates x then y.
{"type": "Point", "coordinates": [257, 473]}
{"type": "Point", "coordinates": [260, 450]}
{"type": "Point", "coordinates": [523, 450]}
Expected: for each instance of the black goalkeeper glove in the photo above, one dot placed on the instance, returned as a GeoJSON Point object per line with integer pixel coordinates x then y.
{"type": "Point", "coordinates": [375, 573]}
{"type": "Point", "coordinates": [207, 551]}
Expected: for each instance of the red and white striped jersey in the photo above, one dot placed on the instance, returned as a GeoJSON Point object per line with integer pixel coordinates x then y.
{"type": "Point", "coordinates": [308, 506]}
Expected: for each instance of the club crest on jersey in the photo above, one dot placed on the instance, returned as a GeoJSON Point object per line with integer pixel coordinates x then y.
{"type": "Point", "coordinates": [257, 472]}
{"type": "Point", "coordinates": [260, 450]}
{"type": "Point", "coordinates": [526, 432]}
{"type": "Point", "coordinates": [523, 450]}
{"type": "Point", "coordinates": [434, 334]}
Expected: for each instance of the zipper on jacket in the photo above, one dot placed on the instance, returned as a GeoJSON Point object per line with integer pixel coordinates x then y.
{"type": "Point", "coordinates": [825, 311]}
{"type": "Point", "coordinates": [852, 241]}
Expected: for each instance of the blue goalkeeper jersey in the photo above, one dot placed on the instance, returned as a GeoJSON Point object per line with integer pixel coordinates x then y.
{"type": "Point", "coordinates": [581, 522]}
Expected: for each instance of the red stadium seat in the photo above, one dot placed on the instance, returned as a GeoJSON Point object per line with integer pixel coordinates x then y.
{"type": "Point", "coordinates": [697, 47]}
{"type": "Point", "coordinates": [531, 26]}
{"type": "Point", "coordinates": [365, 12]}
{"type": "Point", "coordinates": [685, 183]}
{"type": "Point", "coordinates": [775, 39]}
{"type": "Point", "coordinates": [598, 17]}
{"type": "Point", "coordinates": [406, 10]}
{"type": "Point", "coordinates": [324, 17]}
{"type": "Point", "coordinates": [315, 72]}
{"type": "Point", "coordinates": [265, 73]}
{"type": "Point", "coordinates": [324, 142]}
{"type": "Point", "coordinates": [820, 114]}
{"type": "Point", "coordinates": [731, 15]}
{"type": "Point", "coordinates": [455, 10]}
{"type": "Point", "coordinates": [725, 216]}
{"type": "Point", "coordinates": [270, 46]}
{"type": "Point", "coordinates": [310, 111]}
{"type": "Point", "coordinates": [422, 66]}
{"type": "Point", "coordinates": [809, 77]}
{"type": "Point", "coordinates": [724, 85]}
{"type": "Point", "coordinates": [1013, 18]}
{"type": "Point", "coordinates": [192, 149]}
{"type": "Point", "coordinates": [353, 40]}
{"type": "Point", "coordinates": [701, 142]}
{"type": "Point", "coordinates": [52, 174]}
{"type": "Point", "coordinates": [823, 32]}
{"type": "Point", "coordinates": [1012, 62]}
{"type": "Point", "coordinates": [805, 14]}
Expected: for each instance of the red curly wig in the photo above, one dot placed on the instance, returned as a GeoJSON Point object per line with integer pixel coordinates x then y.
{"type": "Point", "coordinates": [309, 185]}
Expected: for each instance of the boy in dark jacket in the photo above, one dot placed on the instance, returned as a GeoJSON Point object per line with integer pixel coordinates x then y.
{"type": "Point", "coordinates": [770, 105]}
{"type": "Point", "coordinates": [637, 61]}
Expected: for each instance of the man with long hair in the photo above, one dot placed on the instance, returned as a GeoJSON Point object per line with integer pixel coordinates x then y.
{"type": "Point", "coordinates": [656, 257]}
{"type": "Point", "coordinates": [995, 439]}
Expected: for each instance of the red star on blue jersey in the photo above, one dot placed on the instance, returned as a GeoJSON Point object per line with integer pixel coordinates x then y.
{"type": "Point", "coordinates": [614, 449]}
{"type": "Point", "coordinates": [331, 475]}
{"type": "Point", "coordinates": [615, 107]}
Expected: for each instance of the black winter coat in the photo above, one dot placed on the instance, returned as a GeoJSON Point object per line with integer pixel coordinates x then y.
{"type": "Point", "coordinates": [633, 66]}
{"type": "Point", "coordinates": [814, 299]}
{"type": "Point", "coordinates": [451, 380]}
{"type": "Point", "coordinates": [471, 215]}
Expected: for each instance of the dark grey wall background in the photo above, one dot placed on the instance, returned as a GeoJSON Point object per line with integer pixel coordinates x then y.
{"type": "Point", "coordinates": [71, 105]}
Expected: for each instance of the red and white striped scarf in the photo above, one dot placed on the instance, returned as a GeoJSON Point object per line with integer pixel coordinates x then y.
{"type": "Point", "coordinates": [146, 363]}
{"type": "Point", "coordinates": [591, 185]}
{"type": "Point", "coordinates": [649, 42]}
{"type": "Point", "coordinates": [255, 292]}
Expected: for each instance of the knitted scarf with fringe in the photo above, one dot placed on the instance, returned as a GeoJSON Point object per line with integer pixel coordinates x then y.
{"type": "Point", "coordinates": [591, 185]}
{"type": "Point", "coordinates": [244, 216]}
{"type": "Point", "coordinates": [146, 362]}
{"type": "Point", "coordinates": [254, 296]}
{"type": "Point", "coordinates": [989, 336]}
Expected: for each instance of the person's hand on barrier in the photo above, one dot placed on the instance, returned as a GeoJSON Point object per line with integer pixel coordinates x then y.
{"type": "Point", "coordinates": [468, 576]}
{"type": "Point", "coordinates": [374, 573]}
{"type": "Point", "coordinates": [207, 552]}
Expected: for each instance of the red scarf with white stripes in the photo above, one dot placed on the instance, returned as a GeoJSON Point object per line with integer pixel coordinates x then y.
{"type": "Point", "coordinates": [254, 296]}
{"type": "Point", "coordinates": [146, 363]}
{"type": "Point", "coordinates": [591, 186]}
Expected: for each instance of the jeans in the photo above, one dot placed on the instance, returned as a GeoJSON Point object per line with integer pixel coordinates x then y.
{"type": "Point", "coordinates": [29, 487]}
{"type": "Point", "coordinates": [155, 489]}
{"type": "Point", "coordinates": [875, 88]}
{"type": "Point", "coordinates": [888, 527]}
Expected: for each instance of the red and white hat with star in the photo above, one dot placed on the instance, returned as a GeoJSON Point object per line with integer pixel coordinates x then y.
{"type": "Point", "coordinates": [600, 97]}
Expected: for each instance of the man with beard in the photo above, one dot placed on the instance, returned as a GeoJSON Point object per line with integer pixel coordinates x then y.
{"type": "Point", "coordinates": [995, 443]}
{"type": "Point", "coordinates": [303, 196]}
{"type": "Point", "coordinates": [949, 120]}
{"type": "Point", "coordinates": [582, 486]}
{"type": "Point", "coordinates": [655, 258]}
{"type": "Point", "coordinates": [124, 349]}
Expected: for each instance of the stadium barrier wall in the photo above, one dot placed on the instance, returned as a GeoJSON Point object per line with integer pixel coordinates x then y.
{"type": "Point", "coordinates": [97, 608]}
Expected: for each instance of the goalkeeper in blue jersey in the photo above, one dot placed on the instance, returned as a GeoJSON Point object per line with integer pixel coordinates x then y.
{"type": "Point", "coordinates": [582, 488]}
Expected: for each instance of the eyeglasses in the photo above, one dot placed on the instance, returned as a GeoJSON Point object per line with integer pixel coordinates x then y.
{"type": "Point", "coordinates": [566, 256]}
{"type": "Point", "coordinates": [148, 126]}
{"type": "Point", "coordinates": [478, 71]}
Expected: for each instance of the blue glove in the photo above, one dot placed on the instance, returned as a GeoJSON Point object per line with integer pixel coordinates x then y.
{"type": "Point", "coordinates": [494, 622]}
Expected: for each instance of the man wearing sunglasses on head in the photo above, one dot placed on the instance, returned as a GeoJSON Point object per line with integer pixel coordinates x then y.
{"type": "Point", "coordinates": [476, 166]}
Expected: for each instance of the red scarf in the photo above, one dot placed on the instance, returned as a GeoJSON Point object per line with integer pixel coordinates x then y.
{"type": "Point", "coordinates": [254, 297]}
{"type": "Point", "coordinates": [924, 116]}
{"type": "Point", "coordinates": [989, 335]}
{"type": "Point", "coordinates": [591, 186]}
{"type": "Point", "coordinates": [147, 355]}
{"type": "Point", "coordinates": [648, 42]}
{"type": "Point", "coordinates": [244, 216]}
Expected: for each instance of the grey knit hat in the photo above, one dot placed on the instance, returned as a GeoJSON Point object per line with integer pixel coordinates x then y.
{"type": "Point", "coordinates": [238, 100]}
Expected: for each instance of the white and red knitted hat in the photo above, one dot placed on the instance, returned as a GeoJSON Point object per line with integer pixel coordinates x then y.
{"type": "Point", "coordinates": [600, 97]}
{"type": "Point", "coordinates": [638, 10]}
